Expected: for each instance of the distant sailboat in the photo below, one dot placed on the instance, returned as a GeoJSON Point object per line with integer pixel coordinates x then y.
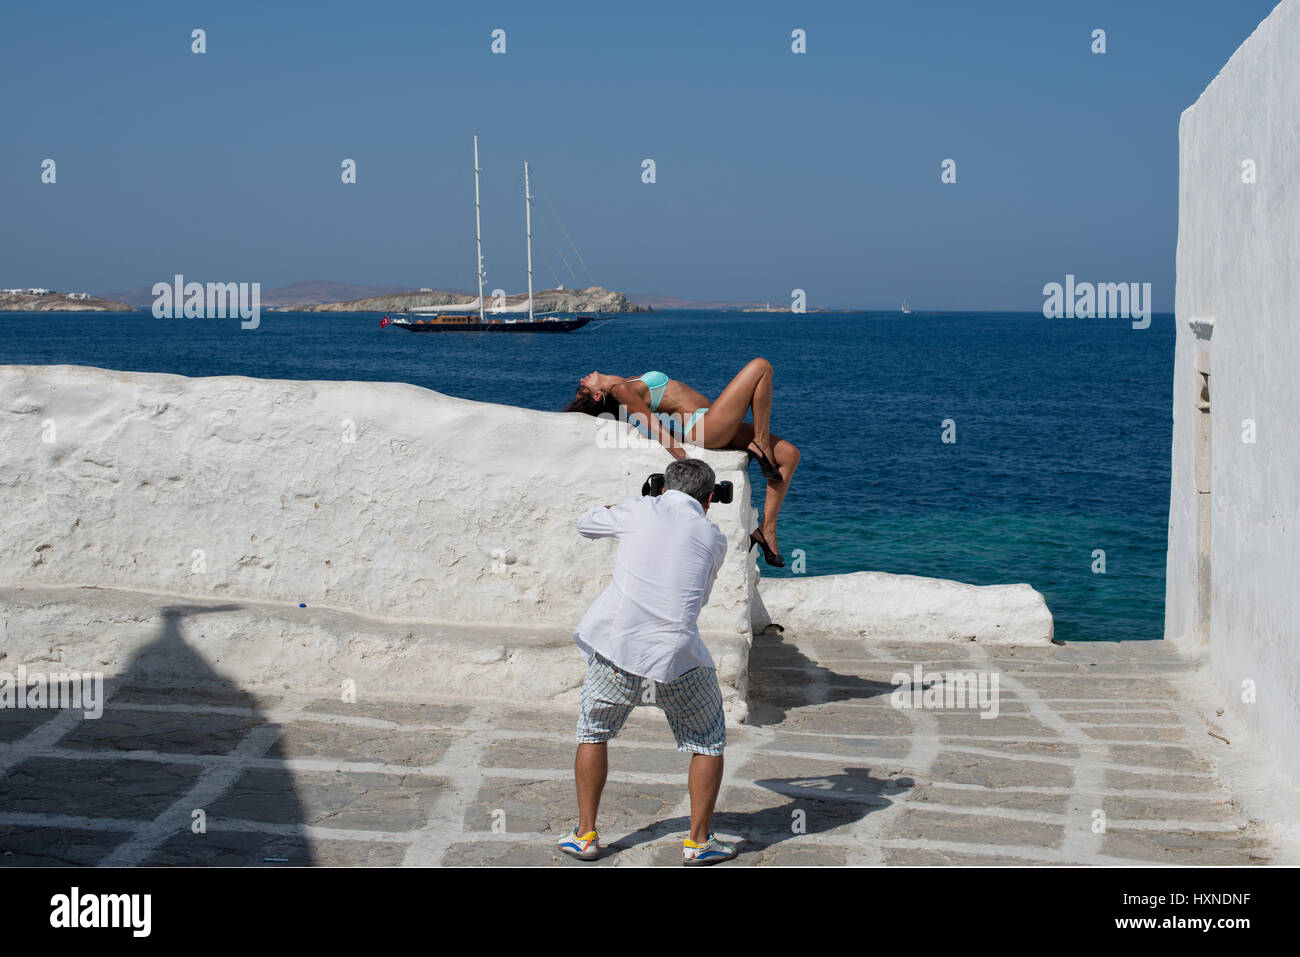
{"type": "Point", "coordinates": [906, 311]}
{"type": "Point", "coordinates": [467, 322]}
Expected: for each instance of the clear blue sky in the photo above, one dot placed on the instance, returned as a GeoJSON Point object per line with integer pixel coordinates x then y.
{"type": "Point", "coordinates": [775, 170]}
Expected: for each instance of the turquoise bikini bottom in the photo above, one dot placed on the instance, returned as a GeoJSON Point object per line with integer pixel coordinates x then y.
{"type": "Point", "coordinates": [671, 423]}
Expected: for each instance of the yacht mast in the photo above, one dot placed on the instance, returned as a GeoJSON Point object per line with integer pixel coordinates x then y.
{"type": "Point", "coordinates": [528, 225]}
{"type": "Point", "coordinates": [478, 232]}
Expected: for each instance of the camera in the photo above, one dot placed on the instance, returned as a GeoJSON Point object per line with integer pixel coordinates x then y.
{"type": "Point", "coordinates": [654, 485]}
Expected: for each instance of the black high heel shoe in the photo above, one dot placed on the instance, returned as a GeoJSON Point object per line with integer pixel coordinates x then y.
{"type": "Point", "coordinates": [772, 558]}
{"type": "Point", "coordinates": [770, 471]}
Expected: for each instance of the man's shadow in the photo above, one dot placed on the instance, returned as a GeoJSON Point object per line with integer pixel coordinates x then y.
{"type": "Point", "coordinates": [167, 700]}
{"type": "Point", "coordinates": [815, 805]}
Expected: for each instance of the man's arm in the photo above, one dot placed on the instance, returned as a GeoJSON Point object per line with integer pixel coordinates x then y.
{"type": "Point", "coordinates": [605, 521]}
{"type": "Point", "coordinates": [719, 555]}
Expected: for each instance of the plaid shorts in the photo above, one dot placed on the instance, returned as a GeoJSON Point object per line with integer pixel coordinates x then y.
{"type": "Point", "coordinates": [692, 703]}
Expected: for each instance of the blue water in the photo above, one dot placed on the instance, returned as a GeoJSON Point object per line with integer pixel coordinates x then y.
{"type": "Point", "coordinates": [1062, 426]}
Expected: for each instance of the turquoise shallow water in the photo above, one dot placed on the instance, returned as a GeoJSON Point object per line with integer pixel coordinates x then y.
{"type": "Point", "coordinates": [1062, 426]}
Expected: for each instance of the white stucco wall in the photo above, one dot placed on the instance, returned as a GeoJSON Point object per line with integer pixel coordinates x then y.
{"type": "Point", "coordinates": [442, 509]}
{"type": "Point", "coordinates": [432, 539]}
{"type": "Point", "coordinates": [1239, 264]}
{"type": "Point", "coordinates": [882, 607]}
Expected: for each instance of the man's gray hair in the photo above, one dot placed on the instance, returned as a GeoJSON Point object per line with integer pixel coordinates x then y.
{"type": "Point", "coordinates": [692, 476]}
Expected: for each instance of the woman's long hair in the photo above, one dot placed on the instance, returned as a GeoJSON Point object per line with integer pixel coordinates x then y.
{"type": "Point", "coordinates": [586, 404]}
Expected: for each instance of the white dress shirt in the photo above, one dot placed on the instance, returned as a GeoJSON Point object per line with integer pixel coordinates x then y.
{"type": "Point", "coordinates": [669, 554]}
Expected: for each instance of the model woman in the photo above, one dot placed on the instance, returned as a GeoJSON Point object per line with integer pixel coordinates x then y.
{"type": "Point", "coordinates": [717, 424]}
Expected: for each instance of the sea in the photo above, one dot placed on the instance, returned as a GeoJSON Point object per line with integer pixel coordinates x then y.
{"type": "Point", "coordinates": [982, 447]}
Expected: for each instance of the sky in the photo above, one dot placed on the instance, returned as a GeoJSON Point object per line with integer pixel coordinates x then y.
{"type": "Point", "coordinates": [774, 171]}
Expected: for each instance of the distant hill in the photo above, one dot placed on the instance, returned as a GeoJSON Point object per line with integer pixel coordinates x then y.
{"type": "Point", "coordinates": [308, 293]}
{"type": "Point", "coordinates": [657, 301]}
{"type": "Point", "coordinates": [593, 299]}
{"type": "Point", "coordinates": [57, 302]}
{"type": "Point", "coordinates": [319, 291]}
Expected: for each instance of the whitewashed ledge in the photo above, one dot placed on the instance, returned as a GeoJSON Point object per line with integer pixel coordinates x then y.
{"type": "Point", "coordinates": [158, 640]}
{"type": "Point", "coordinates": [431, 539]}
{"type": "Point", "coordinates": [894, 608]}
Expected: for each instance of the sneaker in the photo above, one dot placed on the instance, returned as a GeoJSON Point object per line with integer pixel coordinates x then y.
{"type": "Point", "coordinates": [711, 851]}
{"type": "Point", "coordinates": [584, 848]}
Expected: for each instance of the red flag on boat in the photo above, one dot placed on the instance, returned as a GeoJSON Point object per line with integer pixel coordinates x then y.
{"type": "Point", "coordinates": [385, 322]}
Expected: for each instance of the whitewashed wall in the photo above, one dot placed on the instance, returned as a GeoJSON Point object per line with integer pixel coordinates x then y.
{"type": "Point", "coordinates": [438, 509]}
{"type": "Point", "coordinates": [1239, 264]}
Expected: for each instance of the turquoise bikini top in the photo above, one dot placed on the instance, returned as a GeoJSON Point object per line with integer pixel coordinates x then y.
{"type": "Point", "coordinates": [656, 382]}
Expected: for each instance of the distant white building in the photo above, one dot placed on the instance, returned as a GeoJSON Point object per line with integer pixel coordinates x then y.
{"type": "Point", "coordinates": [1231, 594]}
{"type": "Point", "coordinates": [425, 289]}
{"type": "Point", "coordinates": [37, 292]}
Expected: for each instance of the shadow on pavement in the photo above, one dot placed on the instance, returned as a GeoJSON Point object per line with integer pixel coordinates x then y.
{"type": "Point", "coordinates": [172, 733]}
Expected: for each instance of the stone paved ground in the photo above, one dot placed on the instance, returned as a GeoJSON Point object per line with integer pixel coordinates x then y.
{"type": "Point", "coordinates": [827, 771]}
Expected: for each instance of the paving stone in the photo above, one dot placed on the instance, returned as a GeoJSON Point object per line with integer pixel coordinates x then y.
{"type": "Point", "coordinates": [836, 719]}
{"type": "Point", "coordinates": [1121, 808]}
{"type": "Point", "coordinates": [164, 732]}
{"type": "Point", "coordinates": [780, 809]}
{"type": "Point", "coordinates": [982, 797]}
{"type": "Point", "coordinates": [343, 742]}
{"type": "Point", "coordinates": [56, 846]}
{"type": "Point", "coordinates": [110, 789]}
{"type": "Point", "coordinates": [226, 696]}
{"type": "Point", "coordinates": [331, 853]}
{"type": "Point", "coordinates": [1128, 735]}
{"type": "Point", "coordinates": [920, 824]}
{"type": "Point", "coordinates": [1138, 688]}
{"type": "Point", "coordinates": [966, 723]}
{"type": "Point", "coordinates": [1122, 780]}
{"type": "Point", "coordinates": [539, 853]}
{"type": "Point", "coordinates": [375, 802]}
{"type": "Point", "coordinates": [796, 852]}
{"type": "Point", "coordinates": [1120, 717]}
{"type": "Point", "coordinates": [1171, 757]}
{"type": "Point", "coordinates": [554, 720]}
{"type": "Point", "coordinates": [17, 723]}
{"type": "Point", "coordinates": [1057, 750]}
{"type": "Point", "coordinates": [537, 806]}
{"type": "Point", "coordinates": [929, 857]}
{"type": "Point", "coordinates": [221, 848]}
{"type": "Point", "coordinates": [841, 745]}
{"type": "Point", "coordinates": [957, 768]}
{"type": "Point", "coordinates": [623, 756]}
{"type": "Point", "coordinates": [1186, 847]}
{"type": "Point", "coordinates": [225, 848]}
{"type": "Point", "coordinates": [448, 715]}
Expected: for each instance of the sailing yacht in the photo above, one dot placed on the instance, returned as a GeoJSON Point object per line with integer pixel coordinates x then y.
{"type": "Point", "coordinates": [906, 311]}
{"type": "Point", "coordinates": [449, 319]}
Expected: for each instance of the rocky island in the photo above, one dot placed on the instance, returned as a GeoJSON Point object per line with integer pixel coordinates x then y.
{"type": "Point", "coordinates": [591, 299]}
{"type": "Point", "coordinates": [47, 300]}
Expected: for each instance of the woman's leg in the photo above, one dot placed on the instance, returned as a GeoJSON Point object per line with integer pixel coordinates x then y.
{"type": "Point", "coordinates": [787, 460]}
{"type": "Point", "coordinates": [751, 388]}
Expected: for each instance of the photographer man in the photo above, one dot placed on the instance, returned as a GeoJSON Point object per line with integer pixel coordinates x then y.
{"type": "Point", "coordinates": [643, 628]}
